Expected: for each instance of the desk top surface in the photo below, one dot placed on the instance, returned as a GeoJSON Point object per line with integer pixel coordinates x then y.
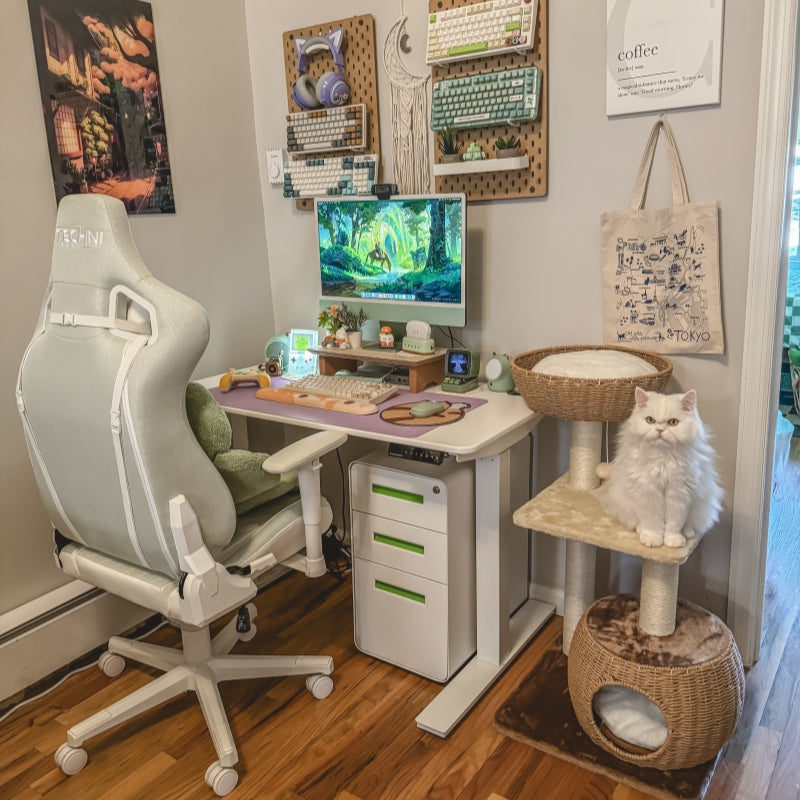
{"type": "Point", "coordinates": [493, 422]}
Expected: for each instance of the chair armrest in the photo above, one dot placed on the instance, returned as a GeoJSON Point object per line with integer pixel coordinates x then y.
{"type": "Point", "coordinates": [304, 451]}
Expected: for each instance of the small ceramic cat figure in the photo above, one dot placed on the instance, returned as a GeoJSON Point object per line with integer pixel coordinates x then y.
{"type": "Point", "coordinates": [663, 480]}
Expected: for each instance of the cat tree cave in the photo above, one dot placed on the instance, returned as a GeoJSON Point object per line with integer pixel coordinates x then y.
{"type": "Point", "coordinates": [657, 656]}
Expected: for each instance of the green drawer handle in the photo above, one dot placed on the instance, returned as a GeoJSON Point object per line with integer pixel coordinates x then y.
{"type": "Point", "coordinates": [398, 494]}
{"type": "Point", "coordinates": [382, 538]}
{"type": "Point", "coordinates": [409, 595]}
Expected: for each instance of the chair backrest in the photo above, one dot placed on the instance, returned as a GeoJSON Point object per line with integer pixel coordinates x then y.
{"type": "Point", "coordinates": [101, 393]}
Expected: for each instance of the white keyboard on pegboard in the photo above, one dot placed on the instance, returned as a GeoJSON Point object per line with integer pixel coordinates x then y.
{"type": "Point", "coordinates": [339, 128]}
{"type": "Point", "coordinates": [333, 175]}
{"type": "Point", "coordinates": [481, 29]}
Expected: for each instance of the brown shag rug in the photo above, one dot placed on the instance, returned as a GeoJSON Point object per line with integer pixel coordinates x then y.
{"type": "Point", "coordinates": [539, 713]}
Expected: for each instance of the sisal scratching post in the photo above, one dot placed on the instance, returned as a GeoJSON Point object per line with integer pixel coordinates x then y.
{"type": "Point", "coordinates": [584, 456]}
{"type": "Point", "coordinates": [659, 598]}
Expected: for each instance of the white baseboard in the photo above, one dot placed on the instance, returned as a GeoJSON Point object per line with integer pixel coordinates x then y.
{"type": "Point", "coordinates": [552, 595]}
{"type": "Point", "coordinates": [37, 652]}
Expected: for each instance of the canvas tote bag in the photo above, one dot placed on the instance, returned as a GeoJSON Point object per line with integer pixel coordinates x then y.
{"type": "Point", "coordinates": [661, 267]}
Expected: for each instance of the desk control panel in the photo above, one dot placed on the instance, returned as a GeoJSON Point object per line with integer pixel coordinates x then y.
{"type": "Point", "coordinates": [412, 453]}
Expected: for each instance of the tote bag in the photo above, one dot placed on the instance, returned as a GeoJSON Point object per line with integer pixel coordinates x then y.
{"type": "Point", "coordinates": [661, 267]}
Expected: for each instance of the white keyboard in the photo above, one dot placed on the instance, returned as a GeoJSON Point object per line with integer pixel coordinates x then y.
{"type": "Point", "coordinates": [343, 387]}
{"type": "Point", "coordinates": [335, 175]}
{"type": "Point", "coordinates": [339, 128]}
{"type": "Point", "coordinates": [481, 29]}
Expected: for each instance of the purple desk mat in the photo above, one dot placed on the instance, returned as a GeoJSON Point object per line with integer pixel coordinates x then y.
{"type": "Point", "coordinates": [244, 398]}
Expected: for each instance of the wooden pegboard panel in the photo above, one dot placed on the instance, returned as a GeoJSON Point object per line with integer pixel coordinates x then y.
{"type": "Point", "coordinates": [358, 52]}
{"type": "Point", "coordinates": [528, 182]}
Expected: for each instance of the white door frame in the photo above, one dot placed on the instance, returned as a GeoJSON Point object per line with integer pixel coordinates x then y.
{"type": "Point", "coordinates": [763, 330]}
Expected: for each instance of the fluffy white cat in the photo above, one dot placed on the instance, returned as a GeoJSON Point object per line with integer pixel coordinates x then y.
{"type": "Point", "coordinates": [663, 480]}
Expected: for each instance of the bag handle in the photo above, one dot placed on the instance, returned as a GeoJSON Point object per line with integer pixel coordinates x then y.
{"type": "Point", "coordinates": [680, 193]}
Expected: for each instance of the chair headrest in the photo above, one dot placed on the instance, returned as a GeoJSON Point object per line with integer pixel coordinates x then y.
{"type": "Point", "coordinates": [93, 243]}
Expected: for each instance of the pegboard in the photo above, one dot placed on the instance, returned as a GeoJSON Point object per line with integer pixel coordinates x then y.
{"type": "Point", "coordinates": [530, 181]}
{"type": "Point", "coordinates": [358, 52]}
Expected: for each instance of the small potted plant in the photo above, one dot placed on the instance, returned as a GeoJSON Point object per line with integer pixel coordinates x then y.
{"type": "Point", "coordinates": [352, 321]}
{"type": "Point", "coordinates": [507, 146]}
{"type": "Point", "coordinates": [449, 147]}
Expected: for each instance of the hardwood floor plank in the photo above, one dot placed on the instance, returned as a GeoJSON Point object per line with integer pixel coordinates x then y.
{"type": "Point", "coordinates": [758, 764]}
{"type": "Point", "coordinates": [785, 779]}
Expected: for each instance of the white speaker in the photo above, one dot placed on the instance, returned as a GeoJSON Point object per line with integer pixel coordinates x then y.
{"type": "Point", "coordinates": [498, 373]}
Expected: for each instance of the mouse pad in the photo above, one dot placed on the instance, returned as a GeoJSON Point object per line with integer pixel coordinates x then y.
{"type": "Point", "coordinates": [243, 398]}
{"type": "Point", "coordinates": [400, 414]}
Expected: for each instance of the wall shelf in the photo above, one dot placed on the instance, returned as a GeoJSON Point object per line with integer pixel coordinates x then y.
{"type": "Point", "coordinates": [485, 165]}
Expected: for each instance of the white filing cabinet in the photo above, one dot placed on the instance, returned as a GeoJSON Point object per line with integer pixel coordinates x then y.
{"type": "Point", "coordinates": [413, 528]}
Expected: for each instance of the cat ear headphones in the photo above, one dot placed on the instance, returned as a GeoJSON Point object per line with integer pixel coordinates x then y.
{"type": "Point", "coordinates": [330, 89]}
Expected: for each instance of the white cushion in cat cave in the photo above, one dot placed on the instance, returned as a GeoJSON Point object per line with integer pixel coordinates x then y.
{"type": "Point", "coordinates": [631, 716]}
{"type": "Point", "coordinates": [589, 383]}
{"type": "Point", "coordinates": [594, 364]}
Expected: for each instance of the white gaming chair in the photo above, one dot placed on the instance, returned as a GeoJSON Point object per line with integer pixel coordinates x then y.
{"type": "Point", "coordinates": [137, 507]}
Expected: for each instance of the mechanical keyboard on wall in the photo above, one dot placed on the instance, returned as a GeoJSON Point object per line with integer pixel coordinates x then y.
{"type": "Point", "coordinates": [333, 175]}
{"type": "Point", "coordinates": [481, 29]}
{"type": "Point", "coordinates": [490, 98]}
{"type": "Point", "coordinates": [338, 128]}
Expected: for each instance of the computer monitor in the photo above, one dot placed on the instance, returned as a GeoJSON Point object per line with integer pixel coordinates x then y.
{"type": "Point", "coordinates": [400, 259]}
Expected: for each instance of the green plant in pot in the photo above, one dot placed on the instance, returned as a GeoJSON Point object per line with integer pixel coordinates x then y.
{"type": "Point", "coordinates": [449, 146]}
{"type": "Point", "coordinates": [507, 146]}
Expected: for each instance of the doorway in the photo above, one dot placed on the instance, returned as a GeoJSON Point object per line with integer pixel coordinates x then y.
{"type": "Point", "coordinates": [764, 319]}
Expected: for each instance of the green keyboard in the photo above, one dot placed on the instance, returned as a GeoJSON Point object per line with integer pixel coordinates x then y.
{"type": "Point", "coordinates": [481, 29]}
{"type": "Point", "coordinates": [491, 98]}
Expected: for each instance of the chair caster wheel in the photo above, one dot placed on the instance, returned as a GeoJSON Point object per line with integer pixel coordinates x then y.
{"type": "Point", "coordinates": [246, 637]}
{"type": "Point", "coordinates": [111, 664]}
{"type": "Point", "coordinates": [221, 779]}
{"type": "Point", "coordinates": [71, 760]}
{"type": "Point", "coordinates": [319, 685]}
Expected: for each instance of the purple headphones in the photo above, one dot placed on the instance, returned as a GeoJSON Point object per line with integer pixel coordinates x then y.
{"type": "Point", "coordinates": [330, 89]}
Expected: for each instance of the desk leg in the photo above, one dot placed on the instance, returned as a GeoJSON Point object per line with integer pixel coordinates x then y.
{"type": "Point", "coordinates": [499, 638]}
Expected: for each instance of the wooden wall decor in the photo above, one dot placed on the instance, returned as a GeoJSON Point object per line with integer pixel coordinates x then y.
{"type": "Point", "coordinates": [358, 51]}
{"type": "Point", "coordinates": [530, 181]}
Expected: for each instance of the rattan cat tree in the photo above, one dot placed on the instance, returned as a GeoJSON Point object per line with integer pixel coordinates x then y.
{"type": "Point", "coordinates": [698, 689]}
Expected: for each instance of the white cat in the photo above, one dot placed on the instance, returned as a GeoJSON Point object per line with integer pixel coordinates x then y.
{"type": "Point", "coordinates": [663, 480]}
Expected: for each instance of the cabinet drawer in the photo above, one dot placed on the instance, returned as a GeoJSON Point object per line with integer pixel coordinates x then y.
{"type": "Point", "coordinates": [401, 618]}
{"type": "Point", "coordinates": [399, 545]}
{"type": "Point", "coordinates": [396, 494]}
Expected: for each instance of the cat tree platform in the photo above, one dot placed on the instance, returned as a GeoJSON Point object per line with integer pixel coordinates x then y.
{"type": "Point", "coordinates": [577, 515]}
{"type": "Point", "coordinates": [589, 385]}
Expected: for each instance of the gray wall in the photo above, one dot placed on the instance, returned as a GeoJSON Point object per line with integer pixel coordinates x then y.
{"type": "Point", "coordinates": [534, 265]}
{"type": "Point", "coordinates": [213, 248]}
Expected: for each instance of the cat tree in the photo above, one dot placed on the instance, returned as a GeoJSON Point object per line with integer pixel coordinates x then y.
{"type": "Point", "coordinates": [571, 509]}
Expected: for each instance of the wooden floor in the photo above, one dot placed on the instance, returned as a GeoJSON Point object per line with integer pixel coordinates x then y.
{"type": "Point", "coordinates": [361, 743]}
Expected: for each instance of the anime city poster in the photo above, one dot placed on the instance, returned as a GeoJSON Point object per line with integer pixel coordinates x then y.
{"type": "Point", "coordinates": [101, 98]}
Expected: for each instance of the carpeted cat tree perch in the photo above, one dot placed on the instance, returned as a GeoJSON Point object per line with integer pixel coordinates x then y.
{"type": "Point", "coordinates": [655, 644]}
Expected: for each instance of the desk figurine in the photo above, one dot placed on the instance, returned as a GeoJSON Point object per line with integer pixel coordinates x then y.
{"type": "Point", "coordinates": [663, 480]}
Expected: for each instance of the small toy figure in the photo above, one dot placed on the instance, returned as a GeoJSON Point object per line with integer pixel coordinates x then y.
{"type": "Point", "coordinates": [385, 337]}
{"type": "Point", "coordinates": [474, 153]}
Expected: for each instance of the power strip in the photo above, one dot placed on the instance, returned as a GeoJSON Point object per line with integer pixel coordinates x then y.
{"type": "Point", "coordinates": [412, 345]}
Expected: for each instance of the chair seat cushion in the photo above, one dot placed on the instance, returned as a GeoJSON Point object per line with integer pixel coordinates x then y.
{"type": "Point", "coordinates": [275, 528]}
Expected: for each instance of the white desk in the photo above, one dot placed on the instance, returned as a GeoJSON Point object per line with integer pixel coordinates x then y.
{"type": "Point", "coordinates": [485, 436]}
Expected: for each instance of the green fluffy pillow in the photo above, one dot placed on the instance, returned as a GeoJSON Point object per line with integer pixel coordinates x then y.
{"type": "Point", "coordinates": [241, 470]}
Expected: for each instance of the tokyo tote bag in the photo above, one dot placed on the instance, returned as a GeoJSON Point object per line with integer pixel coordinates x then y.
{"type": "Point", "coordinates": [661, 267]}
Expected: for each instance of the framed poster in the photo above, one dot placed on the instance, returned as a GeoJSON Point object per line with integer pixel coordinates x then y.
{"type": "Point", "coordinates": [101, 98]}
{"type": "Point", "coordinates": [662, 55]}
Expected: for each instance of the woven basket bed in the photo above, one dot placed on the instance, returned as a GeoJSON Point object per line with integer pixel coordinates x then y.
{"type": "Point", "coordinates": [700, 696]}
{"type": "Point", "coordinates": [586, 399]}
